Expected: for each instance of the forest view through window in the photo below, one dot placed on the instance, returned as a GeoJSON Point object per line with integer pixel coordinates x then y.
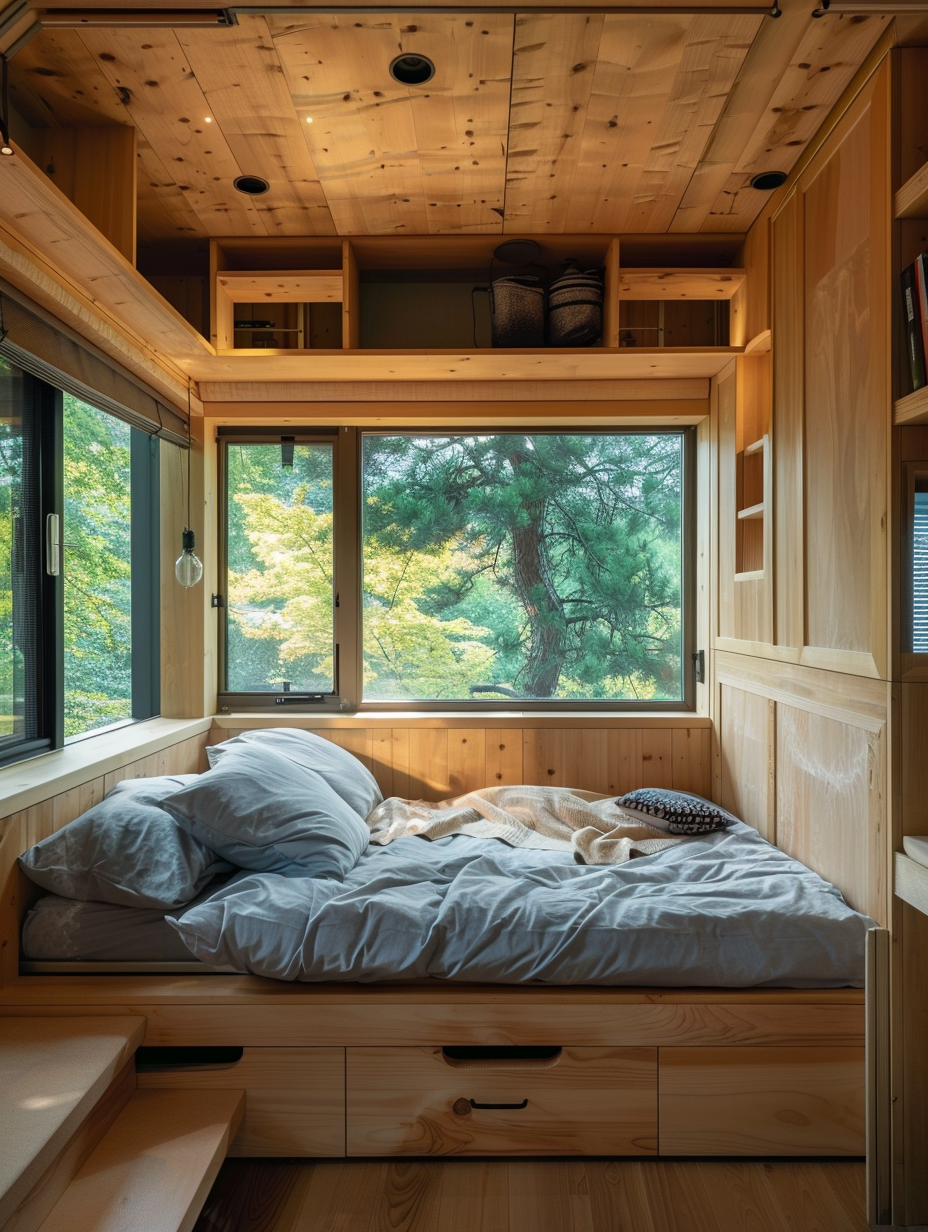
{"type": "Point", "coordinates": [526, 567]}
{"type": "Point", "coordinates": [494, 568]}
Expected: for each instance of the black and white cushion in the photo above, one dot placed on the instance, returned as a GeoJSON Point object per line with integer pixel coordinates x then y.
{"type": "Point", "coordinates": [677, 812]}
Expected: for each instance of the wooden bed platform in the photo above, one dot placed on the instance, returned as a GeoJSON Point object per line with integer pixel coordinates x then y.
{"type": "Point", "coordinates": [375, 1070]}
{"type": "Point", "coordinates": [333, 1070]}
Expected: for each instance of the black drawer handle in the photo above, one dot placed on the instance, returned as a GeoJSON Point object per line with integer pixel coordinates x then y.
{"type": "Point", "coordinates": [473, 1103]}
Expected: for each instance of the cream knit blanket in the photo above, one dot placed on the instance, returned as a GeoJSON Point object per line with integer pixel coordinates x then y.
{"type": "Point", "coordinates": [555, 818]}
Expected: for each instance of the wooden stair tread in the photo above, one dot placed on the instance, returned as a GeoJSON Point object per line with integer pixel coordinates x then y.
{"type": "Point", "coordinates": [152, 1170]}
{"type": "Point", "coordinates": [52, 1073]}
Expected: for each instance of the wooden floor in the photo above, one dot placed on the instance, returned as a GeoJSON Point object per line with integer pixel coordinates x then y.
{"type": "Point", "coordinates": [577, 1195]}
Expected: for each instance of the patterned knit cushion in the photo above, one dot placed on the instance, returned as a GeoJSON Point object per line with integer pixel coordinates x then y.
{"type": "Point", "coordinates": [675, 811]}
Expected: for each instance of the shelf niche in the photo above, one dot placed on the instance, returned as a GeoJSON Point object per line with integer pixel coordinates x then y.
{"type": "Point", "coordinates": [383, 294]}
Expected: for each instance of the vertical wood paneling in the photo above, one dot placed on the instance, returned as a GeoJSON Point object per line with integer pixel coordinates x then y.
{"type": "Point", "coordinates": [829, 789]}
{"type": "Point", "coordinates": [846, 394]}
{"type": "Point", "coordinates": [428, 764]}
{"type": "Point", "coordinates": [467, 760]}
{"type": "Point", "coordinates": [504, 757]}
{"type": "Point", "coordinates": [691, 749]}
{"type": "Point", "coordinates": [788, 323]}
{"type": "Point", "coordinates": [747, 727]}
{"type": "Point", "coordinates": [656, 757]}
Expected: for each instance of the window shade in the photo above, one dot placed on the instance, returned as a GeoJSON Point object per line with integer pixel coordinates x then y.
{"type": "Point", "coordinates": [920, 574]}
{"type": "Point", "coordinates": [53, 354]}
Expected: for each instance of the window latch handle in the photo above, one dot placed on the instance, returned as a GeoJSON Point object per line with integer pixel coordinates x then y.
{"type": "Point", "coordinates": [52, 544]}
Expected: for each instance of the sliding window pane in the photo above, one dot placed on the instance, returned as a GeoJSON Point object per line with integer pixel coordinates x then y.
{"type": "Point", "coordinates": [280, 619]}
{"type": "Point", "coordinates": [531, 567]}
{"type": "Point", "coordinates": [97, 569]}
{"type": "Point", "coordinates": [20, 552]}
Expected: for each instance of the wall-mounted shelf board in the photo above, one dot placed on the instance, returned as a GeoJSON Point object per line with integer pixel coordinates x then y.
{"type": "Point", "coordinates": [679, 283]}
{"type": "Point", "coordinates": [760, 344]}
{"type": "Point", "coordinates": [912, 409]}
{"type": "Point", "coordinates": [754, 511]}
{"type": "Point", "coordinates": [911, 882]}
{"type": "Point", "coordinates": [752, 575]}
{"type": "Point", "coordinates": [756, 447]}
{"type": "Point", "coordinates": [594, 363]}
{"type": "Point", "coordinates": [282, 287]}
{"type": "Point", "coordinates": [911, 200]}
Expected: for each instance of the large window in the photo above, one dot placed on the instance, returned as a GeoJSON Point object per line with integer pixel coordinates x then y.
{"type": "Point", "coordinates": [78, 567]}
{"type": "Point", "coordinates": [506, 568]}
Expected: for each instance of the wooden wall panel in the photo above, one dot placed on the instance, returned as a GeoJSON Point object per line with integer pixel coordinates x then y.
{"type": "Point", "coordinates": [846, 276]}
{"type": "Point", "coordinates": [436, 762]}
{"type": "Point", "coordinates": [747, 727]}
{"type": "Point", "coordinates": [829, 791]}
{"type": "Point", "coordinates": [788, 324]}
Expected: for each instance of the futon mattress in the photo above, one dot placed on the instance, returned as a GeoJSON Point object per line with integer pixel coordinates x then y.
{"type": "Point", "coordinates": [721, 910]}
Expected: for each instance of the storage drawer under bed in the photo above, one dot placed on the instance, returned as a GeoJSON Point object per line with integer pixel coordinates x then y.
{"type": "Point", "coordinates": [506, 1101]}
{"type": "Point", "coordinates": [294, 1097]}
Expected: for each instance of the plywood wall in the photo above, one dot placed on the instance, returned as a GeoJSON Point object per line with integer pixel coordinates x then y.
{"type": "Point", "coordinates": [439, 761]}
{"type": "Point", "coordinates": [802, 647]}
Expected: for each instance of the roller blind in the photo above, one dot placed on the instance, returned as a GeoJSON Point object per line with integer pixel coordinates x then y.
{"type": "Point", "coordinates": [54, 354]}
{"type": "Point", "coordinates": [920, 574]}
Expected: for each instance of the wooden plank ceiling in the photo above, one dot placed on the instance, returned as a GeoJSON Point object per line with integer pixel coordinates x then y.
{"type": "Point", "coordinates": [542, 122]}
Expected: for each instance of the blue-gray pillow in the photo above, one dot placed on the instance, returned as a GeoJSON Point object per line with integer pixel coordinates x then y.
{"type": "Point", "coordinates": [126, 850]}
{"type": "Point", "coordinates": [345, 774]}
{"type": "Point", "coordinates": [265, 812]}
{"type": "Point", "coordinates": [677, 812]}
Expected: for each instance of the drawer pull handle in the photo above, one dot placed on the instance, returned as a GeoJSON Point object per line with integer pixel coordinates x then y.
{"type": "Point", "coordinates": [473, 1103]}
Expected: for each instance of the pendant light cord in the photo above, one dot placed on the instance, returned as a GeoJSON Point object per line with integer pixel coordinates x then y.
{"type": "Point", "coordinates": [189, 447]}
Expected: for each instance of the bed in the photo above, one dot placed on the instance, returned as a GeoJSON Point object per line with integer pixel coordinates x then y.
{"type": "Point", "coordinates": [367, 1044]}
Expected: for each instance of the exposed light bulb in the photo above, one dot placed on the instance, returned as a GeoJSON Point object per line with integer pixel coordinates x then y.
{"type": "Point", "coordinates": [189, 568]}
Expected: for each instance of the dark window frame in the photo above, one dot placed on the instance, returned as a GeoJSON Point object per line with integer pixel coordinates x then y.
{"type": "Point", "coordinates": [43, 404]}
{"type": "Point", "coordinates": [348, 649]}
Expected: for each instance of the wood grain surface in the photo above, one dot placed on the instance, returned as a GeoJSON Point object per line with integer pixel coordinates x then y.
{"type": "Point", "coordinates": [580, 1195]}
{"type": "Point", "coordinates": [413, 1101]}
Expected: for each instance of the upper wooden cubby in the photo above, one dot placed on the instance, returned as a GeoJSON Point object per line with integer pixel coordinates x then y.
{"type": "Point", "coordinates": [910, 208]}
{"type": "Point", "coordinates": [402, 295]}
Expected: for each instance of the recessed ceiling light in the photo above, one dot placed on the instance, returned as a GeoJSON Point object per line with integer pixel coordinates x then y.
{"type": "Point", "coordinates": [208, 120]}
{"type": "Point", "coordinates": [309, 119]}
{"type": "Point", "coordinates": [766, 181]}
{"type": "Point", "coordinates": [412, 70]}
{"type": "Point", "coordinates": [253, 185]}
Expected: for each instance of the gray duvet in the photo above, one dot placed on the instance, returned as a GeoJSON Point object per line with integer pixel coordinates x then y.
{"type": "Point", "coordinates": [723, 910]}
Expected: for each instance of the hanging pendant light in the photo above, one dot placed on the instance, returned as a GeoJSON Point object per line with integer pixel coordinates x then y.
{"type": "Point", "coordinates": [188, 568]}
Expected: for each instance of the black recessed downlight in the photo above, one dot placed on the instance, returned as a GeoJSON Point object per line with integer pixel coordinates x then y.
{"type": "Point", "coordinates": [253, 185]}
{"type": "Point", "coordinates": [412, 70]}
{"type": "Point", "coordinates": [768, 180]}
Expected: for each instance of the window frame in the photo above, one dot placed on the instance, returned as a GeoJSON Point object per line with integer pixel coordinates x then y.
{"type": "Point", "coordinates": [348, 552]}
{"type": "Point", "coordinates": [44, 401]}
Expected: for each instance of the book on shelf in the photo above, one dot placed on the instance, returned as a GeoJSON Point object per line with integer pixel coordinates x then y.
{"type": "Point", "coordinates": [912, 320]}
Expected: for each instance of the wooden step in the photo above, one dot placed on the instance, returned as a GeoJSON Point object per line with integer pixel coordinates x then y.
{"type": "Point", "coordinates": [53, 1072]}
{"type": "Point", "coordinates": [152, 1171]}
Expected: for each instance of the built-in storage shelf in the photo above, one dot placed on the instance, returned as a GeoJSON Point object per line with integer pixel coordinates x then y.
{"type": "Point", "coordinates": [911, 882]}
{"type": "Point", "coordinates": [753, 481]}
{"type": "Point", "coordinates": [760, 344]}
{"type": "Point", "coordinates": [912, 409]}
{"type": "Point", "coordinates": [698, 284]}
{"type": "Point", "coordinates": [754, 511]}
{"type": "Point", "coordinates": [322, 297]}
{"type": "Point", "coordinates": [911, 200]}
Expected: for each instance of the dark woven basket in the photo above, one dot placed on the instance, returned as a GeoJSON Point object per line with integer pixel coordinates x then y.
{"type": "Point", "coordinates": [517, 311]}
{"type": "Point", "coordinates": [575, 309]}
